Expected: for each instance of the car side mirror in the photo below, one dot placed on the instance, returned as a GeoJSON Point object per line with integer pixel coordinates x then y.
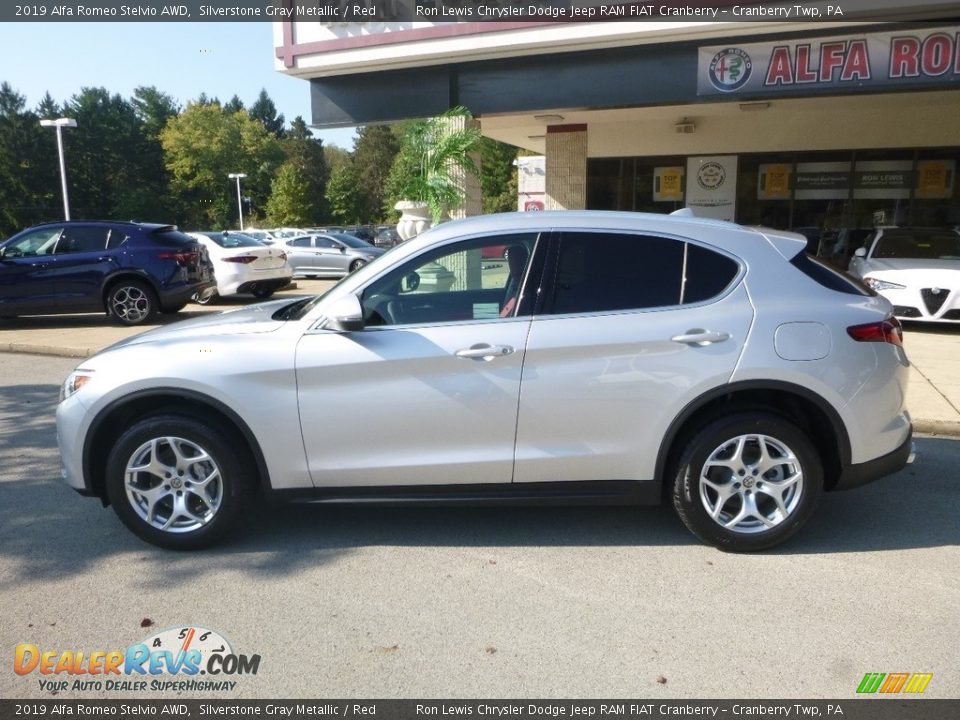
{"type": "Point", "coordinates": [860, 252]}
{"type": "Point", "coordinates": [346, 314]}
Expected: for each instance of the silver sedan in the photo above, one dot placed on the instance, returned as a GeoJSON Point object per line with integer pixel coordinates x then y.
{"type": "Point", "coordinates": [328, 254]}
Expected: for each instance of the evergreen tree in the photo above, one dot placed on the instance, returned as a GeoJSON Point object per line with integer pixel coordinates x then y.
{"type": "Point", "coordinates": [264, 111]}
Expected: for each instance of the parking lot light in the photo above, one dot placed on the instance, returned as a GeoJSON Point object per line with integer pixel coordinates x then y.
{"type": "Point", "coordinates": [238, 177]}
{"type": "Point", "coordinates": [59, 124]}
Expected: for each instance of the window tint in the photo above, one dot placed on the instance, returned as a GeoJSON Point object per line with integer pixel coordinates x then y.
{"type": "Point", "coordinates": [168, 236]}
{"type": "Point", "coordinates": [453, 283]}
{"type": "Point", "coordinates": [708, 274]}
{"type": "Point", "coordinates": [598, 272]}
{"type": "Point", "coordinates": [921, 244]}
{"type": "Point", "coordinates": [607, 271]}
{"type": "Point", "coordinates": [82, 239]}
{"type": "Point", "coordinates": [324, 242]}
{"type": "Point", "coordinates": [299, 242]}
{"type": "Point", "coordinates": [824, 275]}
{"type": "Point", "coordinates": [233, 240]}
{"type": "Point", "coordinates": [116, 238]}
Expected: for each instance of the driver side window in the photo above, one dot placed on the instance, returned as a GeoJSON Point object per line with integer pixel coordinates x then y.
{"type": "Point", "coordinates": [478, 279]}
{"type": "Point", "coordinates": [39, 242]}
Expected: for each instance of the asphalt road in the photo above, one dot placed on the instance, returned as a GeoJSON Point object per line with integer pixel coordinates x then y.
{"type": "Point", "coordinates": [486, 603]}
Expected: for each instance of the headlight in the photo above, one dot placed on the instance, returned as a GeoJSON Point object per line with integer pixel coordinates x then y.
{"type": "Point", "coordinates": [76, 380]}
{"type": "Point", "coordinates": [877, 284]}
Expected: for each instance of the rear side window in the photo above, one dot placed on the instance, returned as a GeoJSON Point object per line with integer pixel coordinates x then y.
{"type": "Point", "coordinates": [824, 275]}
{"type": "Point", "coordinates": [82, 239]}
{"type": "Point", "coordinates": [169, 236]}
{"type": "Point", "coordinates": [599, 272]}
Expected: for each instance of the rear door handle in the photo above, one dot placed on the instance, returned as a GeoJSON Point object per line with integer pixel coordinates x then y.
{"type": "Point", "coordinates": [698, 336]}
{"type": "Point", "coordinates": [483, 351]}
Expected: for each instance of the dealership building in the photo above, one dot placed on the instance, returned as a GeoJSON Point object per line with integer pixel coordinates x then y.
{"type": "Point", "coordinates": [835, 123]}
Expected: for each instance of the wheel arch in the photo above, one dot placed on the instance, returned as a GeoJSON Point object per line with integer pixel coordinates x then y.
{"type": "Point", "coordinates": [127, 274]}
{"type": "Point", "coordinates": [810, 411]}
{"type": "Point", "coordinates": [118, 415]}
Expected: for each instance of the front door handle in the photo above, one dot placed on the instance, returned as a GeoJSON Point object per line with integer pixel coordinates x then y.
{"type": "Point", "coordinates": [701, 337]}
{"type": "Point", "coordinates": [483, 351]}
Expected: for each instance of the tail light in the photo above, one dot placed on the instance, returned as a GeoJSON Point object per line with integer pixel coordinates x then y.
{"type": "Point", "coordinates": [243, 259]}
{"type": "Point", "coordinates": [887, 331]}
{"type": "Point", "coordinates": [183, 257]}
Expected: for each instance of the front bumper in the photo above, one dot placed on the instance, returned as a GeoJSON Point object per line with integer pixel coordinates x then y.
{"type": "Point", "coordinates": [923, 304]}
{"type": "Point", "coordinates": [862, 473]}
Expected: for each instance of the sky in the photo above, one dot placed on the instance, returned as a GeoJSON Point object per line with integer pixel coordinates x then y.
{"type": "Point", "coordinates": [182, 59]}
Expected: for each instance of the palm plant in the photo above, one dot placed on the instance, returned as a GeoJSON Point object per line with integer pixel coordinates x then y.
{"type": "Point", "coordinates": [435, 158]}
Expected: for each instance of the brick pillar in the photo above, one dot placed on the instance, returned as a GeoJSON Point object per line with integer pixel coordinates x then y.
{"type": "Point", "coordinates": [566, 186]}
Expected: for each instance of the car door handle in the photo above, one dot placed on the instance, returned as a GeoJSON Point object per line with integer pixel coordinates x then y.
{"type": "Point", "coordinates": [698, 336]}
{"type": "Point", "coordinates": [482, 351]}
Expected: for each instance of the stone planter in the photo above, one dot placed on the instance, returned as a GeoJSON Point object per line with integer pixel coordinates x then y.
{"type": "Point", "coordinates": [414, 219]}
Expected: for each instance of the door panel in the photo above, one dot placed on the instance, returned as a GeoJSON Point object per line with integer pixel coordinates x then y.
{"type": "Point", "coordinates": [398, 406]}
{"type": "Point", "coordinates": [599, 391]}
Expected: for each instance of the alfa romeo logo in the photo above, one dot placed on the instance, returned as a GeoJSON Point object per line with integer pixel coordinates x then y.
{"type": "Point", "coordinates": [730, 69]}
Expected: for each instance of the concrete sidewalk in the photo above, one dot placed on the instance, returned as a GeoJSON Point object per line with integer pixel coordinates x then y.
{"type": "Point", "coordinates": [933, 395]}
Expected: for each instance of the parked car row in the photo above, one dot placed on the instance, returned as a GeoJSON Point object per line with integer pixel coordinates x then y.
{"type": "Point", "coordinates": [134, 270]}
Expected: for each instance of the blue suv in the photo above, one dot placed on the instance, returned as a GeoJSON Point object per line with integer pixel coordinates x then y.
{"type": "Point", "coordinates": [132, 270]}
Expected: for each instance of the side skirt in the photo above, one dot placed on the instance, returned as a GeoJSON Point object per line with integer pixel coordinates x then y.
{"type": "Point", "coordinates": [593, 492]}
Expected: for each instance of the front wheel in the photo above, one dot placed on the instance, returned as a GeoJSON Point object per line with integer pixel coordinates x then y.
{"type": "Point", "coordinates": [263, 293]}
{"type": "Point", "coordinates": [131, 302]}
{"type": "Point", "coordinates": [747, 482]}
{"type": "Point", "coordinates": [177, 482]}
{"type": "Point", "coordinates": [356, 265]}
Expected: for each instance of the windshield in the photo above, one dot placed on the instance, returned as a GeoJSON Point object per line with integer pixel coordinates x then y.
{"type": "Point", "coordinates": [918, 244]}
{"type": "Point", "coordinates": [351, 241]}
{"type": "Point", "coordinates": [233, 240]}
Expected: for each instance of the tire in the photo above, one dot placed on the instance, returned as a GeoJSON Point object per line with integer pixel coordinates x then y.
{"type": "Point", "coordinates": [132, 302]}
{"type": "Point", "coordinates": [719, 478]}
{"type": "Point", "coordinates": [263, 293]}
{"type": "Point", "coordinates": [210, 299]}
{"type": "Point", "coordinates": [195, 515]}
{"type": "Point", "coordinates": [357, 264]}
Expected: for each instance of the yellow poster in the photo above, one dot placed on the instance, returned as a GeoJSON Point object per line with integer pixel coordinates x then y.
{"type": "Point", "coordinates": [935, 179]}
{"type": "Point", "coordinates": [667, 184]}
{"type": "Point", "coordinates": [773, 182]}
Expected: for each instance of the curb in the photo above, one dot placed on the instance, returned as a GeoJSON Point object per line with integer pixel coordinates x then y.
{"type": "Point", "coordinates": [946, 428]}
{"type": "Point", "coordinates": [27, 349]}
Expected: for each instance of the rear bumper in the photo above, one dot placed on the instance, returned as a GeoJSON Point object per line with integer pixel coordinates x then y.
{"type": "Point", "coordinates": [856, 475]}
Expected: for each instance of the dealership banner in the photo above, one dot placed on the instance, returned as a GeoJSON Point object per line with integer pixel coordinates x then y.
{"type": "Point", "coordinates": [712, 186]}
{"type": "Point", "coordinates": [883, 60]}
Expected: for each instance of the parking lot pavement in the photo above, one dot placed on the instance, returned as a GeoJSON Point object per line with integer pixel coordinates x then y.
{"type": "Point", "coordinates": [344, 602]}
{"type": "Point", "coordinates": [80, 336]}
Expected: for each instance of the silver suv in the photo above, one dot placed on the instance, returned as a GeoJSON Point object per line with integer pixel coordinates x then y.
{"type": "Point", "coordinates": [608, 358]}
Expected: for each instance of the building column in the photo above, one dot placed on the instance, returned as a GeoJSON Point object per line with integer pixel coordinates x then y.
{"type": "Point", "coordinates": [566, 185]}
{"type": "Point", "coordinates": [473, 200]}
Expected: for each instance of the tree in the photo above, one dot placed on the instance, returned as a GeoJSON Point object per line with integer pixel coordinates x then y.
{"type": "Point", "coordinates": [345, 205]}
{"type": "Point", "coordinates": [374, 150]}
{"type": "Point", "coordinates": [265, 112]}
{"type": "Point", "coordinates": [498, 176]}
{"type": "Point", "coordinates": [202, 146]}
{"type": "Point", "coordinates": [29, 173]}
{"type": "Point", "coordinates": [298, 190]}
{"type": "Point", "coordinates": [235, 105]}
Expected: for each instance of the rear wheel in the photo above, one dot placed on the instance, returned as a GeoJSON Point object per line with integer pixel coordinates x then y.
{"type": "Point", "coordinates": [178, 483]}
{"type": "Point", "coordinates": [131, 302]}
{"type": "Point", "coordinates": [356, 265]}
{"type": "Point", "coordinates": [747, 482]}
{"type": "Point", "coordinates": [263, 293]}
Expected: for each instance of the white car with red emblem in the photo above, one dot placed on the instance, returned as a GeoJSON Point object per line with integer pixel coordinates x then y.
{"type": "Point", "coordinates": [916, 269]}
{"type": "Point", "coordinates": [244, 265]}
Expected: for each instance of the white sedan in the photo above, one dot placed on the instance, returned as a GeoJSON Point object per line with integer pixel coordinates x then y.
{"type": "Point", "coordinates": [243, 265]}
{"type": "Point", "coordinates": [916, 269]}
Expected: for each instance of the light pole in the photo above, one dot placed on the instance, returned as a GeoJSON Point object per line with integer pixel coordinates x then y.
{"type": "Point", "coordinates": [59, 124]}
{"type": "Point", "coordinates": [237, 177]}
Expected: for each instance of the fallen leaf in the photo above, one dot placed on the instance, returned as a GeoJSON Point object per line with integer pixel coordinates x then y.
{"type": "Point", "coordinates": [489, 650]}
{"type": "Point", "coordinates": [391, 649]}
{"type": "Point", "coordinates": [146, 622]}
{"type": "Point", "coordinates": [661, 679]}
